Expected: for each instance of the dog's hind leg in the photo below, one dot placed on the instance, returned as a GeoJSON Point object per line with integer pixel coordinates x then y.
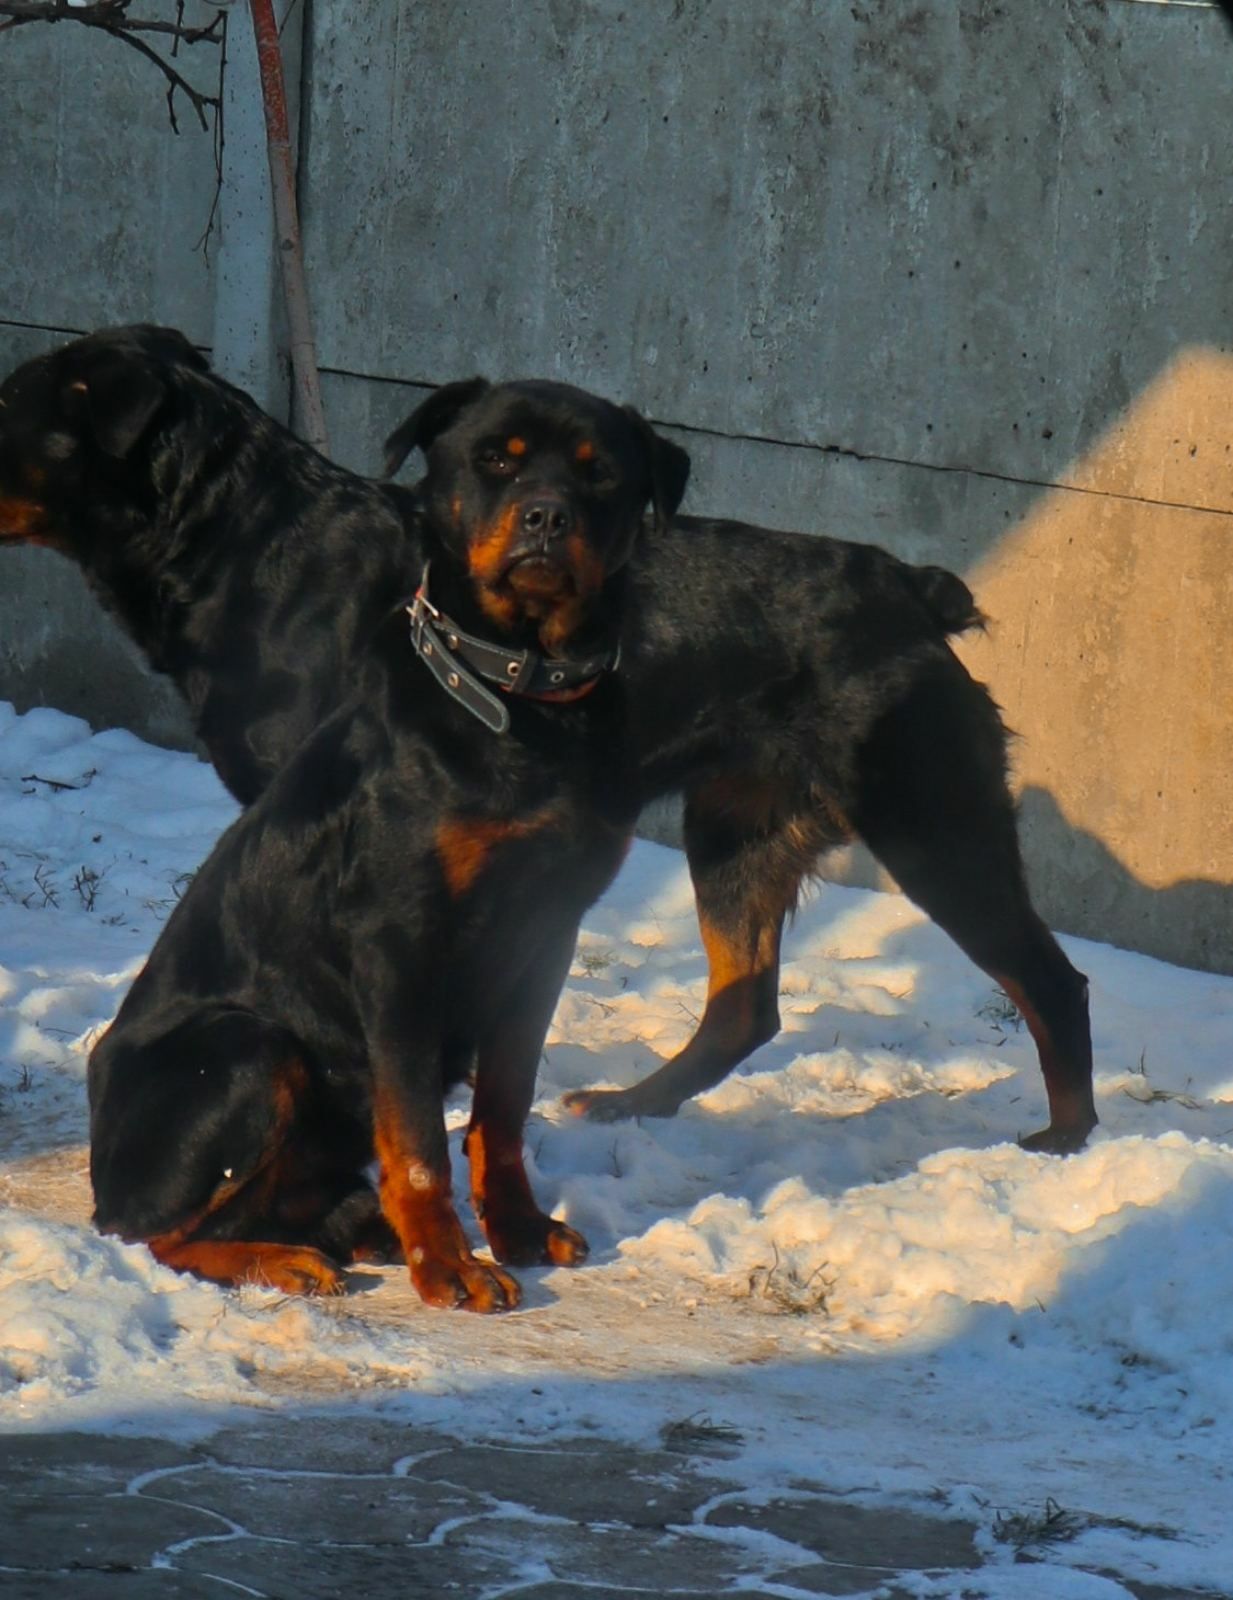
{"type": "Point", "coordinates": [353, 1227]}
{"type": "Point", "coordinates": [748, 853]}
{"type": "Point", "coordinates": [934, 807]}
{"type": "Point", "coordinates": [193, 1151]}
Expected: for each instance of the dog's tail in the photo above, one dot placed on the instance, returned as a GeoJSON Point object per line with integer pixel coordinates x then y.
{"type": "Point", "coordinates": [946, 598]}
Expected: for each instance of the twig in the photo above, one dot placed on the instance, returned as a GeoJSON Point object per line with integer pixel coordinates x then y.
{"type": "Point", "coordinates": [107, 14]}
{"type": "Point", "coordinates": [203, 243]}
{"type": "Point", "coordinates": [57, 785]}
{"type": "Point", "coordinates": [111, 17]}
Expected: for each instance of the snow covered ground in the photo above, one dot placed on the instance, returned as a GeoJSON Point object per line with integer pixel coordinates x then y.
{"type": "Point", "coordinates": [839, 1260]}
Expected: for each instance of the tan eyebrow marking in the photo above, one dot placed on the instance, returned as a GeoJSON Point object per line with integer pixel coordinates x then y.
{"type": "Point", "coordinates": [516, 446]}
{"type": "Point", "coordinates": [585, 451]}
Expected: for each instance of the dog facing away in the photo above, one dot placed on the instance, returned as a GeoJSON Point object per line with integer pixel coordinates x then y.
{"type": "Point", "coordinates": [800, 692]}
{"type": "Point", "coordinates": [245, 566]}
{"type": "Point", "coordinates": [403, 897]}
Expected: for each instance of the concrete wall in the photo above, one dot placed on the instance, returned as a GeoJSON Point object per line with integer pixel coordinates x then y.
{"type": "Point", "coordinates": [952, 275]}
{"type": "Point", "coordinates": [101, 211]}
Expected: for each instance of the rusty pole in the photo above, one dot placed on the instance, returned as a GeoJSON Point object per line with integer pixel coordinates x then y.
{"type": "Point", "coordinates": [310, 412]}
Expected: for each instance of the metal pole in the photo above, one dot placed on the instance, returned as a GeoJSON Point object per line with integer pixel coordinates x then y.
{"type": "Point", "coordinates": [310, 414]}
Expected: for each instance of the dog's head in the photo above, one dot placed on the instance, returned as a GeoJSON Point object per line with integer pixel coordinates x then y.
{"type": "Point", "coordinates": [73, 424]}
{"type": "Point", "coordinates": [539, 490]}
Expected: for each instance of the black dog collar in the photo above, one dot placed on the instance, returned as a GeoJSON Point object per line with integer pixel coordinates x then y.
{"type": "Point", "coordinates": [448, 653]}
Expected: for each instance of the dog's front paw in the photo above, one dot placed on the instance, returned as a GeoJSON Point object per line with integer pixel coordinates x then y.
{"type": "Point", "coordinates": [465, 1284]}
{"type": "Point", "coordinates": [535, 1240]}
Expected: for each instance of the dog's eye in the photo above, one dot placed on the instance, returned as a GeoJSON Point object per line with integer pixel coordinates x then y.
{"type": "Point", "coordinates": [497, 463]}
{"type": "Point", "coordinates": [599, 474]}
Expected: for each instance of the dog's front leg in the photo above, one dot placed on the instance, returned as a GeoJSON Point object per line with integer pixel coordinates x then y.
{"type": "Point", "coordinates": [517, 1230]}
{"type": "Point", "coordinates": [409, 1139]}
{"type": "Point", "coordinates": [410, 1142]}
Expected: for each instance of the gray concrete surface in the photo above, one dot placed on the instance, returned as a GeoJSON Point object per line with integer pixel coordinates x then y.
{"type": "Point", "coordinates": [102, 206]}
{"type": "Point", "coordinates": [948, 232]}
{"type": "Point", "coordinates": [102, 213]}
{"type": "Point", "coordinates": [948, 274]}
{"type": "Point", "coordinates": [296, 1510]}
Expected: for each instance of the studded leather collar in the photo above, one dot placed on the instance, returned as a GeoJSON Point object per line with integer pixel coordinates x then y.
{"type": "Point", "coordinates": [458, 661]}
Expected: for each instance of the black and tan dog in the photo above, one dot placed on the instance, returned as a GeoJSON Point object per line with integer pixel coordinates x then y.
{"type": "Point", "coordinates": [404, 895]}
{"type": "Point", "coordinates": [801, 692]}
{"type": "Point", "coordinates": [246, 567]}
{"type": "Point", "coordinates": [796, 689]}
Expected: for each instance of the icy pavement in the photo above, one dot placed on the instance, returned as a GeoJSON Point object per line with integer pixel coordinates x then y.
{"type": "Point", "coordinates": [837, 1265]}
{"type": "Point", "coordinates": [322, 1507]}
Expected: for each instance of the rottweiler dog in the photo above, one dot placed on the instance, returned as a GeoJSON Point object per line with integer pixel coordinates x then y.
{"type": "Point", "coordinates": [247, 568]}
{"type": "Point", "coordinates": [801, 692]}
{"type": "Point", "coordinates": [402, 898]}
{"type": "Point", "coordinates": [251, 570]}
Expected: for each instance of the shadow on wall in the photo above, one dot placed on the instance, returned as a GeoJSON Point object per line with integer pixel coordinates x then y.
{"type": "Point", "coordinates": [1079, 885]}
{"type": "Point", "coordinates": [1112, 608]}
{"type": "Point", "coordinates": [1086, 887]}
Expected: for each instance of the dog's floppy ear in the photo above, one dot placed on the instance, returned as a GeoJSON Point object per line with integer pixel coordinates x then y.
{"type": "Point", "coordinates": [115, 403]}
{"type": "Point", "coordinates": [669, 469]}
{"type": "Point", "coordinates": [428, 420]}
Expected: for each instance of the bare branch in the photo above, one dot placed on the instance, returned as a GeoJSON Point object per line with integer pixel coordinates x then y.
{"type": "Point", "coordinates": [203, 244]}
{"type": "Point", "coordinates": [174, 79]}
{"type": "Point", "coordinates": [111, 17]}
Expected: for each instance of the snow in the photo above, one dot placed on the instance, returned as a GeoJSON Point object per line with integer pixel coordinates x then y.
{"type": "Point", "coordinates": [840, 1253]}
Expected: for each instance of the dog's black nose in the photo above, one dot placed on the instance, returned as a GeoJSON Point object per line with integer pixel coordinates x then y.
{"type": "Point", "coordinates": [547, 519]}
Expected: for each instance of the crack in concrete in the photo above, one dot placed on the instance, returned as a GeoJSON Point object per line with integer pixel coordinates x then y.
{"type": "Point", "coordinates": [41, 327]}
{"type": "Point", "coordinates": [850, 452]}
{"type": "Point", "coordinates": [847, 452]}
{"type": "Point", "coordinates": [987, 473]}
{"type": "Point", "coordinates": [1186, 5]}
{"type": "Point", "coordinates": [72, 333]}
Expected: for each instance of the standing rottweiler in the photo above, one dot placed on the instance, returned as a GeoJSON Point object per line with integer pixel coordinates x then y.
{"type": "Point", "coordinates": [403, 897]}
{"type": "Point", "coordinates": [801, 692]}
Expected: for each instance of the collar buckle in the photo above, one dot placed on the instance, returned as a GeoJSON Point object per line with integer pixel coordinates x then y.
{"type": "Point", "coordinates": [458, 661]}
{"type": "Point", "coordinates": [429, 627]}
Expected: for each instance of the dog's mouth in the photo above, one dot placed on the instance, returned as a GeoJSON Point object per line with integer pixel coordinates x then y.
{"type": "Point", "coordinates": [543, 574]}
{"type": "Point", "coordinates": [539, 572]}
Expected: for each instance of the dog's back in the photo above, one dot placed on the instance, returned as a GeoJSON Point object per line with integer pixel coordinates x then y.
{"type": "Point", "coordinates": [244, 565]}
